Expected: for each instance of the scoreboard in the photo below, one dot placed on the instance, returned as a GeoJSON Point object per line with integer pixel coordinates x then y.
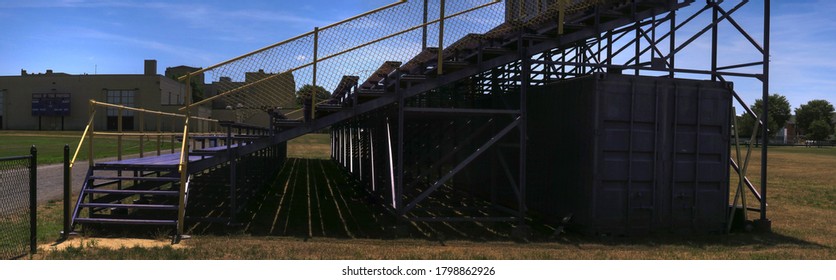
{"type": "Point", "coordinates": [51, 104]}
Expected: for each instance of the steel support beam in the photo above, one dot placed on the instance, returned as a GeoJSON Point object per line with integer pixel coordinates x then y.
{"type": "Point", "coordinates": [460, 166]}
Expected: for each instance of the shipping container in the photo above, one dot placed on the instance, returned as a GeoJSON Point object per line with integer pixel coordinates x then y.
{"type": "Point", "coordinates": [630, 155]}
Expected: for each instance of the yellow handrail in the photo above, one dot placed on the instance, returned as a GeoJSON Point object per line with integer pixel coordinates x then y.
{"type": "Point", "coordinates": [80, 142]}
{"type": "Point", "coordinates": [219, 95]}
{"type": "Point", "coordinates": [183, 147]}
{"type": "Point", "coordinates": [117, 106]}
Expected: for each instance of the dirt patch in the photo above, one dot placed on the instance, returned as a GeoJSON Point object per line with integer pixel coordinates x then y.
{"type": "Point", "coordinates": [111, 243]}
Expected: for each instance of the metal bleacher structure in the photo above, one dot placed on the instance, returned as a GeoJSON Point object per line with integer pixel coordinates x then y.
{"type": "Point", "coordinates": [428, 100]}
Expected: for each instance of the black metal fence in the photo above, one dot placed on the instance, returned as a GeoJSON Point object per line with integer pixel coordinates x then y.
{"type": "Point", "coordinates": [18, 201]}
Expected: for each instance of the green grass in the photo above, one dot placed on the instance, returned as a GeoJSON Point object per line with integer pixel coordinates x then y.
{"type": "Point", "coordinates": [50, 145]}
{"type": "Point", "coordinates": [801, 205]}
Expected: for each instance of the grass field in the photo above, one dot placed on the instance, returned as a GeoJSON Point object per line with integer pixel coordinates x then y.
{"type": "Point", "coordinates": [320, 218]}
{"type": "Point", "coordinates": [50, 145]}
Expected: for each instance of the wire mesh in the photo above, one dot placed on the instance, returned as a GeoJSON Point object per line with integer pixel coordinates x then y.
{"type": "Point", "coordinates": [272, 77]}
{"type": "Point", "coordinates": [404, 32]}
{"type": "Point", "coordinates": [14, 206]}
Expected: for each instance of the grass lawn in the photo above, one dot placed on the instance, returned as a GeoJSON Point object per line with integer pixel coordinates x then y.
{"type": "Point", "coordinates": [802, 207]}
{"type": "Point", "coordinates": [50, 145]}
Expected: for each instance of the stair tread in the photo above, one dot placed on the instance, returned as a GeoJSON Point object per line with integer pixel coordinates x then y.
{"type": "Point", "coordinates": [137, 206]}
{"type": "Point", "coordinates": [125, 221]}
{"type": "Point", "coordinates": [130, 191]}
{"type": "Point", "coordinates": [167, 179]}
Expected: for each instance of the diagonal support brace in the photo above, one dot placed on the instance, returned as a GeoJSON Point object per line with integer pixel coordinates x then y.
{"type": "Point", "coordinates": [460, 166]}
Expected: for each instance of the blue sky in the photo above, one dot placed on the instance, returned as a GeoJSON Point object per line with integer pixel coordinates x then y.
{"type": "Point", "coordinates": [114, 37]}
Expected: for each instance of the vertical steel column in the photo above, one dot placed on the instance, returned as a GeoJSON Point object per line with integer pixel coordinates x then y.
{"type": "Point", "coordinates": [764, 222]}
{"type": "Point", "coordinates": [141, 134]}
{"type": "Point", "coordinates": [184, 163]}
{"type": "Point", "coordinates": [67, 190]}
{"type": "Point", "coordinates": [714, 32]}
{"type": "Point", "coordinates": [391, 164]}
{"type": "Point", "coordinates": [424, 28]}
{"type": "Point", "coordinates": [672, 42]}
{"type": "Point", "coordinates": [315, 59]}
{"type": "Point", "coordinates": [119, 136]}
{"type": "Point", "coordinates": [345, 148]}
{"type": "Point", "coordinates": [359, 154]}
{"type": "Point", "coordinates": [525, 73]}
{"type": "Point", "coordinates": [92, 114]}
{"type": "Point", "coordinates": [371, 151]}
{"type": "Point", "coordinates": [638, 27]}
{"type": "Point", "coordinates": [400, 167]}
{"type": "Point", "coordinates": [233, 177]}
{"type": "Point", "coordinates": [440, 65]}
{"type": "Point", "coordinates": [159, 134]}
{"type": "Point", "coordinates": [33, 200]}
{"type": "Point", "coordinates": [351, 150]}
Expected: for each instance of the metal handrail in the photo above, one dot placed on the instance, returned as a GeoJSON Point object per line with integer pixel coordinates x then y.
{"type": "Point", "coordinates": [83, 135]}
{"type": "Point", "coordinates": [416, 27]}
{"type": "Point", "coordinates": [89, 130]}
{"type": "Point", "coordinates": [123, 107]}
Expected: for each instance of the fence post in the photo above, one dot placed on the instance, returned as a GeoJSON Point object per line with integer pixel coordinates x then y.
{"type": "Point", "coordinates": [441, 38]}
{"type": "Point", "coordinates": [67, 189]}
{"type": "Point", "coordinates": [315, 59]}
{"type": "Point", "coordinates": [33, 200]}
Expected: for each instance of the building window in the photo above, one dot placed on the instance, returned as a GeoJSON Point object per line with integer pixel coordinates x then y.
{"type": "Point", "coordinates": [171, 98]}
{"type": "Point", "coordinates": [125, 98]}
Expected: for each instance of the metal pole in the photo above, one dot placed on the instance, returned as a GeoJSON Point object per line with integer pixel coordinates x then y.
{"type": "Point", "coordinates": [401, 124]}
{"type": "Point", "coordinates": [67, 189]}
{"type": "Point", "coordinates": [119, 137]}
{"type": "Point", "coordinates": [33, 200]}
{"type": "Point", "coordinates": [714, 31]}
{"type": "Point", "coordinates": [766, 26]}
{"type": "Point", "coordinates": [315, 58]}
{"type": "Point", "coordinates": [440, 38]}
{"type": "Point", "coordinates": [424, 29]}
{"type": "Point", "coordinates": [523, 127]}
{"type": "Point", "coordinates": [92, 113]}
{"type": "Point", "coordinates": [141, 133]}
{"type": "Point", "coordinates": [672, 42]}
{"type": "Point", "coordinates": [391, 165]}
{"type": "Point", "coordinates": [371, 151]}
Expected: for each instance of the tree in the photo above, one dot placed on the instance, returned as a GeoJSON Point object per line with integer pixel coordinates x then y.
{"type": "Point", "coordinates": [197, 88]}
{"type": "Point", "coordinates": [814, 110]}
{"type": "Point", "coordinates": [307, 91]}
{"type": "Point", "coordinates": [779, 114]}
{"type": "Point", "coordinates": [819, 130]}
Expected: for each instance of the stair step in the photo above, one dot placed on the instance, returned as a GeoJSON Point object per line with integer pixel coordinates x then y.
{"type": "Point", "coordinates": [134, 206]}
{"type": "Point", "coordinates": [130, 192]}
{"type": "Point", "coordinates": [155, 179]}
{"type": "Point", "coordinates": [124, 221]}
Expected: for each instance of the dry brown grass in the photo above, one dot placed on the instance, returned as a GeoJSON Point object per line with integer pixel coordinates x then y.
{"type": "Point", "coordinates": [315, 146]}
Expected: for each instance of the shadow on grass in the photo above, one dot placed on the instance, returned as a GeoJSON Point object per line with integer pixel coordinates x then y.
{"type": "Point", "coordinates": [311, 198]}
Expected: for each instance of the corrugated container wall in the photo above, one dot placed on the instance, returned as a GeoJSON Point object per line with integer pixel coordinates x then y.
{"type": "Point", "coordinates": [630, 154]}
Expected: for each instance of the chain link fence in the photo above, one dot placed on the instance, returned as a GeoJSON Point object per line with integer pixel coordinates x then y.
{"type": "Point", "coordinates": [17, 201]}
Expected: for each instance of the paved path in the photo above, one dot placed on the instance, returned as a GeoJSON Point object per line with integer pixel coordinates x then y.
{"type": "Point", "coordinates": [51, 180]}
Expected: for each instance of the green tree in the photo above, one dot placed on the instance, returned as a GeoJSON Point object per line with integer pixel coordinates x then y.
{"type": "Point", "coordinates": [819, 130]}
{"type": "Point", "coordinates": [779, 114]}
{"type": "Point", "coordinates": [197, 88]}
{"type": "Point", "coordinates": [308, 90]}
{"type": "Point", "coordinates": [814, 110]}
